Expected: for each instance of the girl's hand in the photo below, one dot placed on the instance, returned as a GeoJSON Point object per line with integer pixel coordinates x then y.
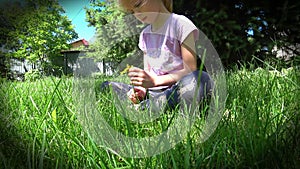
{"type": "Point", "coordinates": [136, 94]}
{"type": "Point", "coordinates": [139, 77]}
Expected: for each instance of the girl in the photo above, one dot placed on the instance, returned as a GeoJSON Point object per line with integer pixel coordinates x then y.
{"type": "Point", "coordinates": [170, 74]}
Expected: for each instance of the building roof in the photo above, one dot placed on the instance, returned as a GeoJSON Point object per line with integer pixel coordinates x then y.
{"type": "Point", "coordinates": [79, 43]}
{"type": "Point", "coordinates": [75, 45]}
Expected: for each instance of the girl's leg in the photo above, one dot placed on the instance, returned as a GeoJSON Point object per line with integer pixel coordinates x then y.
{"type": "Point", "coordinates": [120, 89]}
{"type": "Point", "coordinates": [164, 99]}
{"type": "Point", "coordinates": [195, 87]}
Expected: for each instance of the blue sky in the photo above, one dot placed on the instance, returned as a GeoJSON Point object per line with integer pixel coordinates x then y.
{"type": "Point", "coordinates": [75, 11]}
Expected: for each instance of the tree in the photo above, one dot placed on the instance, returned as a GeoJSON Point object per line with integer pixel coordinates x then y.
{"type": "Point", "coordinates": [7, 39]}
{"type": "Point", "coordinates": [241, 29]}
{"type": "Point", "coordinates": [35, 30]}
{"type": "Point", "coordinates": [117, 33]}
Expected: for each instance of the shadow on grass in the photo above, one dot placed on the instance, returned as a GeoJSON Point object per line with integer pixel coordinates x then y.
{"type": "Point", "coordinates": [13, 152]}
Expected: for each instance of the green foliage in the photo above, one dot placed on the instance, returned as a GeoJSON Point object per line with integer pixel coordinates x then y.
{"type": "Point", "coordinates": [33, 75]}
{"type": "Point", "coordinates": [4, 67]}
{"type": "Point", "coordinates": [98, 75]}
{"type": "Point", "coordinates": [117, 33]}
{"type": "Point", "coordinates": [227, 25]}
{"type": "Point", "coordinates": [35, 30]}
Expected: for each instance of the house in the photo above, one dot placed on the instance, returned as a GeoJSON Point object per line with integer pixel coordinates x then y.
{"type": "Point", "coordinates": [75, 56]}
{"type": "Point", "coordinates": [68, 62]}
{"type": "Point", "coordinates": [20, 67]}
{"type": "Point", "coordinates": [79, 43]}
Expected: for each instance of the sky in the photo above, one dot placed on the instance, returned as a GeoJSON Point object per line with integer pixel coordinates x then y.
{"type": "Point", "coordinates": [75, 11]}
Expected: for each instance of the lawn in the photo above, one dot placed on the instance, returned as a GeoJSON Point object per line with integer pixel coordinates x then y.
{"type": "Point", "coordinates": [259, 128]}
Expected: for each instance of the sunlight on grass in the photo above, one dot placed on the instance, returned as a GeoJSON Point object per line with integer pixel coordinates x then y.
{"type": "Point", "coordinates": [260, 128]}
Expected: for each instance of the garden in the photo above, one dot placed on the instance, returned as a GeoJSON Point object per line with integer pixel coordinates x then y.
{"type": "Point", "coordinates": [41, 125]}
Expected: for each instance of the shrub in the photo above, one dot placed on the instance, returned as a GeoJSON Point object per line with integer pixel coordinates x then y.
{"type": "Point", "coordinates": [33, 75]}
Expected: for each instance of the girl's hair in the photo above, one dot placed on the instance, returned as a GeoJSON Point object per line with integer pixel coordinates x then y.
{"type": "Point", "coordinates": [168, 4]}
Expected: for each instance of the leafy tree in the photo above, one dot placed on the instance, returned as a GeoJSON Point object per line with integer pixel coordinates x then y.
{"type": "Point", "coordinates": [35, 30]}
{"type": "Point", "coordinates": [117, 33]}
{"type": "Point", "coordinates": [240, 29]}
{"type": "Point", "coordinates": [8, 17]}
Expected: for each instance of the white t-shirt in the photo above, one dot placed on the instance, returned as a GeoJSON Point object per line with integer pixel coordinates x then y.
{"type": "Point", "coordinates": [162, 48]}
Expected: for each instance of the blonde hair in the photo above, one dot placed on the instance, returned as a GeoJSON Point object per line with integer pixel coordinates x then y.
{"type": "Point", "coordinates": [168, 4]}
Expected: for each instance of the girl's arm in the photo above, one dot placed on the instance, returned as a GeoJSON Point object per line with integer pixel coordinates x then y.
{"type": "Point", "coordinates": [140, 77]}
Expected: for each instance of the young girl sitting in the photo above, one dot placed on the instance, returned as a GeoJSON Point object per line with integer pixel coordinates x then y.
{"type": "Point", "coordinates": [170, 76]}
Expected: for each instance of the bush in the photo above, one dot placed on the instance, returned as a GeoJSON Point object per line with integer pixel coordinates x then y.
{"type": "Point", "coordinates": [33, 75]}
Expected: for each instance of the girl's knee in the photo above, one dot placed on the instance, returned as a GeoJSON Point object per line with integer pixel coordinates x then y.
{"type": "Point", "coordinates": [196, 85]}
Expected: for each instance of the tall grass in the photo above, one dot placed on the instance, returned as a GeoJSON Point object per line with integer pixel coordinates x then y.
{"type": "Point", "coordinates": [260, 128]}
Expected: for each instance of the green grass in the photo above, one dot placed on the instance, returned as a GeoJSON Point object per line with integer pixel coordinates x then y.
{"type": "Point", "coordinates": [260, 127]}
